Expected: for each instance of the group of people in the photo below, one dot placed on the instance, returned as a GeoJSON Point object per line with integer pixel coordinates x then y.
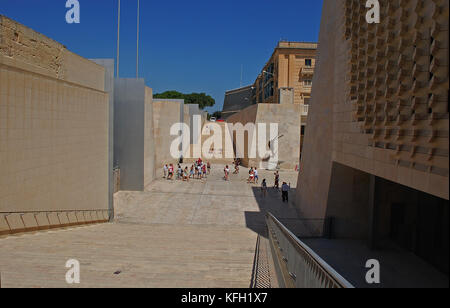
{"type": "Point", "coordinates": [199, 170]}
{"type": "Point", "coordinates": [285, 187]}
{"type": "Point", "coordinates": [253, 177]}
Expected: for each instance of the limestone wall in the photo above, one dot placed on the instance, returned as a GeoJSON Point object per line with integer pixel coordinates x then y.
{"type": "Point", "coordinates": [379, 100]}
{"type": "Point", "coordinates": [53, 134]}
{"type": "Point", "coordinates": [26, 49]}
{"type": "Point", "coordinates": [149, 144]}
{"type": "Point", "coordinates": [289, 128]}
{"type": "Point", "coordinates": [165, 114]}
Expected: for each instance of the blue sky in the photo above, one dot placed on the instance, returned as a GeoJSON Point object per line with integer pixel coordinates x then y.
{"type": "Point", "coordinates": [189, 46]}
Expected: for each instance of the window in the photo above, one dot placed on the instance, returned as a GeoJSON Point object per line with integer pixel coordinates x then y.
{"type": "Point", "coordinates": [307, 83]}
{"type": "Point", "coordinates": [268, 90]}
{"type": "Point", "coordinates": [308, 62]}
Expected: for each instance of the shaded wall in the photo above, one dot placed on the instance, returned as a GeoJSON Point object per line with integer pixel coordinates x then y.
{"type": "Point", "coordinates": [236, 100]}
{"type": "Point", "coordinates": [133, 133]}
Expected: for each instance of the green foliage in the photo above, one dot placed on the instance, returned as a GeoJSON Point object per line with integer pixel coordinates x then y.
{"type": "Point", "coordinates": [201, 99]}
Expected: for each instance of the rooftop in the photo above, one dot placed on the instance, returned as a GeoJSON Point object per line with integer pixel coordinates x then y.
{"type": "Point", "coordinates": [299, 45]}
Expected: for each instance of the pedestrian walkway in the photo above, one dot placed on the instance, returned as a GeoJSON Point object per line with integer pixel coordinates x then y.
{"type": "Point", "coordinates": [201, 233]}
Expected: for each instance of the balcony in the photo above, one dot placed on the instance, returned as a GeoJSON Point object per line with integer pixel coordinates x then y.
{"type": "Point", "coordinates": [307, 70]}
{"type": "Point", "coordinates": [306, 89]}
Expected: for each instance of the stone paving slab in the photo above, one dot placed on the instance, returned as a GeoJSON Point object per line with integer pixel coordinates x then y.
{"type": "Point", "coordinates": [174, 234]}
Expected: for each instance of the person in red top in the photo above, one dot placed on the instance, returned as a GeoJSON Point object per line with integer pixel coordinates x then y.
{"type": "Point", "coordinates": [199, 162]}
{"type": "Point", "coordinates": [204, 170]}
{"type": "Point", "coordinates": [170, 177]}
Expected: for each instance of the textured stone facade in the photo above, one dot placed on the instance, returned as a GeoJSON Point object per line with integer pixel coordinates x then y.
{"type": "Point", "coordinates": [290, 66]}
{"type": "Point", "coordinates": [380, 99]}
{"type": "Point", "coordinates": [54, 132]}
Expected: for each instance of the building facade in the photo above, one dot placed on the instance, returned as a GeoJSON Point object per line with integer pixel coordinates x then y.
{"type": "Point", "coordinates": [291, 66]}
{"type": "Point", "coordinates": [375, 158]}
{"type": "Point", "coordinates": [237, 100]}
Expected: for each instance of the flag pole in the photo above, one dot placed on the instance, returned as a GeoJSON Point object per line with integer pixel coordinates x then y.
{"type": "Point", "coordinates": [118, 41]}
{"type": "Point", "coordinates": [137, 40]}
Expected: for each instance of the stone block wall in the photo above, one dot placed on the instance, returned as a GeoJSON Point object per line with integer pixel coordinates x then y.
{"type": "Point", "coordinates": [166, 113]}
{"type": "Point", "coordinates": [54, 131]}
{"type": "Point", "coordinates": [379, 99]}
{"type": "Point", "coordinates": [287, 116]}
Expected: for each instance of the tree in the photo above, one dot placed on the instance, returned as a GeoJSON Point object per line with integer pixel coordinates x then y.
{"type": "Point", "coordinates": [201, 99]}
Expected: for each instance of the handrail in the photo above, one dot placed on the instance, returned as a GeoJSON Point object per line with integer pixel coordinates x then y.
{"type": "Point", "coordinates": [335, 279]}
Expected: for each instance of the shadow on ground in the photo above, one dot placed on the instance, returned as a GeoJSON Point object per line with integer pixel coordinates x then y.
{"type": "Point", "coordinates": [271, 203]}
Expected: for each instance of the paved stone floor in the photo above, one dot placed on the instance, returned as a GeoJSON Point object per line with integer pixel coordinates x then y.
{"type": "Point", "coordinates": [201, 233]}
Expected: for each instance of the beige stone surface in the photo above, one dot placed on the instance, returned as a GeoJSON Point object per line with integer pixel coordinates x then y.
{"type": "Point", "coordinates": [200, 233]}
{"type": "Point", "coordinates": [149, 143]}
{"type": "Point", "coordinates": [53, 128]}
{"type": "Point", "coordinates": [165, 114]}
{"type": "Point", "coordinates": [287, 116]}
{"type": "Point", "coordinates": [372, 109]}
{"type": "Point", "coordinates": [24, 48]}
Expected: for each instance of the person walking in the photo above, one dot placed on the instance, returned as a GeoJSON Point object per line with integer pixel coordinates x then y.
{"type": "Point", "coordinates": [226, 171]}
{"type": "Point", "coordinates": [209, 168]}
{"type": "Point", "coordinates": [165, 170]}
{"type": "Point", "coordinates": [264, 188]}
{"type": "Point", "coordinates": [277, 181]}
{"type": "Point", "coordinates": [186, 174]}
{"type": "Point", "coordinates": [179, 173]}
{"type": "Point", "coordinates": [204, 171]}
{"type": "Point", "coordinates": [170, 176]}
{"type": "Point", "coordinates": [199, 169]}
{"type": "Point", "coordinates": [191, 173]}
{"type": "Point", "coordinates": [285, 188]}
{"type": "Point", "coordinates": [256, 175]}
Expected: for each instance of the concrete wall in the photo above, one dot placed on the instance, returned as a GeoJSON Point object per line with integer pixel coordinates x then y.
{"type": "Point", "coordinates": [53, 134]}
{"type": "Point", "coordinates": [133, 133]}
{"type": "Point", "coordinates": [166, 113]}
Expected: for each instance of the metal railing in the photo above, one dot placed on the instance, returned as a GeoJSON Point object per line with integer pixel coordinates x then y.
{"type": "Point", "coordinates": [297, 265]}
{"type": "Point", "coordinates": [79, 215]}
